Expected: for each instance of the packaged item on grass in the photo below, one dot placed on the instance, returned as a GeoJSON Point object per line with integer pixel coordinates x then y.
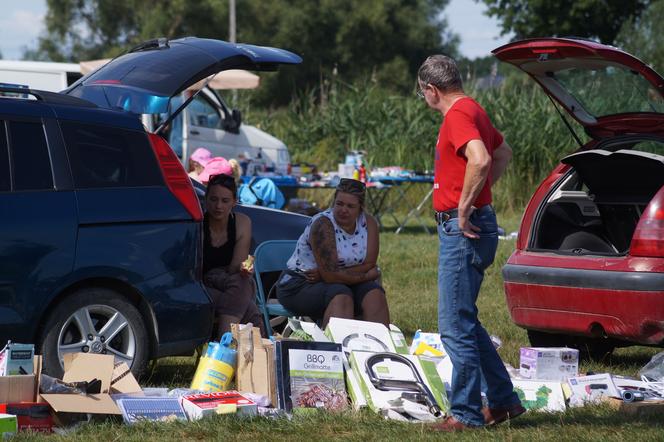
{"type": "Point", "coordinates": [310, 375]}
{"type": "Point", "coordinates": [33, 416]}
{"type": "Point", "coordinates": [17, 359]}
{"type": "Point", "coordinates": [159, 409]}
{"type": "Point", "coordinates": [255, 362]}
{"type": "Point", "coordinates": [216, 369]}
{"type": "Point", "coordinates": [537, 394]}
{"type": "Point", "coordinates": [94, 370]}
{"type": "Point", "coordinates": [549, 363]}
{"type": "Point", "coordinates": [385, 377]}
{"type": "Point", "coordinates": [428, 344]}
{"type": "Point", "coordinates": [221, 402]}
{"type": "Point", "coordinates": [592, 388]}
{"type": "Point", "coordinates": [23, 387]}
{"type": "Point", "coordinates": [8, 425]}
{"type": "Point", "coordinates": [365, 336]}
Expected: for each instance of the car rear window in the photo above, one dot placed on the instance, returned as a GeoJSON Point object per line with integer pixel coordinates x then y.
{"type": "Point", "coordinates": [102, 156]}
{"type": "Point", "coordinates": [31, 164]}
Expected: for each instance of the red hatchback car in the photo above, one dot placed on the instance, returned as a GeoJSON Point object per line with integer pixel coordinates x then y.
{"type": "Point", "coordinates": [588, 269]}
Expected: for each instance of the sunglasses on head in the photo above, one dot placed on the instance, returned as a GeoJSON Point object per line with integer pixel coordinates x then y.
{"type": "Point", "coordinates": [222, 179]}
{"type": "Point", "coordinates": [349, 183]}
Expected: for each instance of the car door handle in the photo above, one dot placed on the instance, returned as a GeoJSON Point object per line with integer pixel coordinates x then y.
{"type": "Point", "coordinates": [194, 132]}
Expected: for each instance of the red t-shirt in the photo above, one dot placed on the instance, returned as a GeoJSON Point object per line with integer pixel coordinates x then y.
{"type": "Point", "coordinates": [465, 121]}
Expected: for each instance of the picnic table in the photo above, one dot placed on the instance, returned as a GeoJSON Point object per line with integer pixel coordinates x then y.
{"type": "Point", "coordinates": [378, 201]}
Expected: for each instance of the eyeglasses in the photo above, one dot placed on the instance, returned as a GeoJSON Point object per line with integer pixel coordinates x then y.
{"type": "Point", "coordinates": [420, 91]}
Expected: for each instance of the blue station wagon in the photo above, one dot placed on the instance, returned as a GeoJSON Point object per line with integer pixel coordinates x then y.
{"type": "Point", "coordinates": [101, 233]}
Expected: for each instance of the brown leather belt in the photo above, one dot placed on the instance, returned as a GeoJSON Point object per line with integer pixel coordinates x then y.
{"type": "Point", "coordinates": [441, 217]}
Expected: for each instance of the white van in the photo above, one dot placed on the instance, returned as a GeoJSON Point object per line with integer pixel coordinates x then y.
{"type": "Point", "coordinates": [208, 122]}
{"type": "Point", "coordinates": [45, 76]}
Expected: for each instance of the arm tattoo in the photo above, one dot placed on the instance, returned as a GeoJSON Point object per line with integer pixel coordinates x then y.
{"type": "Point", "coordinates": [324, 245]}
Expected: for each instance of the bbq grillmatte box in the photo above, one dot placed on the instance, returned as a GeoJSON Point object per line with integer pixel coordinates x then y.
{"type": "Point", "coordinates": [310, 375]}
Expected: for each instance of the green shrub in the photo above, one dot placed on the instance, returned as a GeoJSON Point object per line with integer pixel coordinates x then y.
{"type": "Point", "coordinates": [401, 130]}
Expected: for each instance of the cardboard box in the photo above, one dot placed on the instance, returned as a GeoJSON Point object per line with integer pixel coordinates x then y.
{"type": "Point", "coordinates": [8, 425]}
{"type": "Point", "coordinates": [256, 372]}
{"type": "Point", "coordinates": [549, 363]}
{"type": "Point", "coordinates": [33, 416]}
{"type": "Point", "coordinates": [541, 395]}
{"type": "Point", "coordinates": [378, 399]}
{"type": "Point", "coordinates": [197, 406]}
{"type": "Point", "coordinates": [365, 336]}
{"type": "Point", "coordinates": [86, 367]}
{"type": "Point", "coordinates": [638, 409]}
{"type": "Point", "coordinates": [21, 388]}
{"type": "Point", "coordinates": [592, 388]}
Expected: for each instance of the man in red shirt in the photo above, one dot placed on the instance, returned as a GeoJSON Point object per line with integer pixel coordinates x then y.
{"type": "Point", "coordinates": [470, 156]}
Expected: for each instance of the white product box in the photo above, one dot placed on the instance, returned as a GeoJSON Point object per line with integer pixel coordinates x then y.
{"type": "Point", "coordinates": [549, 363]}
{"type": "Point", "coordinates": [541, 395]}
{"type": "Point", "coordinates": [592, 388]}
{"type": "Point", "coordinates": [365, 336]}
{"type": "Point", "coordinates": [221, 402]}
{"type": "Point", "coordinates": [380, 399]}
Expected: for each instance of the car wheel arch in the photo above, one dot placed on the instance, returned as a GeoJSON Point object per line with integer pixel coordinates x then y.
{"type": "Point", "coordinates": [124, 289]}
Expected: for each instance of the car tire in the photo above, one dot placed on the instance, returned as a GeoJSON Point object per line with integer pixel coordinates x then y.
{"type": "Point", "coordinates": [595, 349]}
{"type": "Point", "coordinates": [82, 323]}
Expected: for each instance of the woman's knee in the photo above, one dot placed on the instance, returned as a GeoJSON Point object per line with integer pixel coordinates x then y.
{"type": "Point", "coordinates": [342, 304]}
{"type": "Point", "coordinates": [374, 300]}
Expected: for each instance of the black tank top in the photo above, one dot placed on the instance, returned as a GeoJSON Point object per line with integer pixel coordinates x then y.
{"type": "Point", "coordinates": [221, 256]}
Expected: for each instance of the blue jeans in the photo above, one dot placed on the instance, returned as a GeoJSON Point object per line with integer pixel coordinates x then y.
{"type": "Point", "coordinates": [461, 266]}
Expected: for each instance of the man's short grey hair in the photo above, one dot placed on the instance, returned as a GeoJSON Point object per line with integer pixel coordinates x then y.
{"type": "Point", "coordinates": [441, 71]}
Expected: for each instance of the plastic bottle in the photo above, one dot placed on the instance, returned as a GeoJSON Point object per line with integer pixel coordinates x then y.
{"type": "Point", "coordinates": [216, 369]}
{"type": "Point", "coordinates": [363, 173]}
{"type": "Point", "coordinates": [356, 174]}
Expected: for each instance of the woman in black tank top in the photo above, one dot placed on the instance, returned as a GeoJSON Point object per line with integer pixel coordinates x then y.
{"type": "Point", "coordinates": [226, 243]}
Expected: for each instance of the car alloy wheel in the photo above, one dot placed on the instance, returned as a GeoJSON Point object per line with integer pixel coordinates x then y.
{"type": "Point", "coordinates": [94, 320]}
{"type": "Point", "coordinates": [98, 329]}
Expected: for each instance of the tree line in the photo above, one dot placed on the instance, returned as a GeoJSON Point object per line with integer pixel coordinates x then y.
{"type": "Point", "coordinates": [383, 41]}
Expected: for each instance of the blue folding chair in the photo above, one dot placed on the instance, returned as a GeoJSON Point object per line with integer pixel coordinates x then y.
{"type": "Point", "coordinates": [271, 256]}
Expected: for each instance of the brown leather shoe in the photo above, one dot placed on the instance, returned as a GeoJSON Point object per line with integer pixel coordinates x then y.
{"type": "Point", "coordinates": [450, 424]}
{"type": "Point", "coordinates": [494, 416]}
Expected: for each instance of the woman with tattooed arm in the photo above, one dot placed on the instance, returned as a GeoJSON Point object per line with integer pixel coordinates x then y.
{"type": "Point", "coordinates": [333, 271]}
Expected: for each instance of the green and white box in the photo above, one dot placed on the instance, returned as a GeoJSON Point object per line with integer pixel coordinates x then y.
{"type": "Point", "coordinates": [8, 425]}
{"type": "Point", "coordinates": [317, 379]}
{"type": "Point", "coordinates": [540, 394]}
{"type": "Point", "coordinates": [365, 336]}
{"type": "Point", "coordinates": [379, 399]}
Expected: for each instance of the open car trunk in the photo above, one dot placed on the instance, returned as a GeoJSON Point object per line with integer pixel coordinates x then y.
{"type": "Point", "coordinates": [596, 206]}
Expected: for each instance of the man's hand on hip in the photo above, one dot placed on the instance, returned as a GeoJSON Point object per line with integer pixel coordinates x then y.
{"type": "Point", "coordinates": [468, 229]}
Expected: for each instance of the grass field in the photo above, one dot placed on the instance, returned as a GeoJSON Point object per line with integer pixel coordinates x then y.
{"type": "Point", "coordinates": [409, 267]}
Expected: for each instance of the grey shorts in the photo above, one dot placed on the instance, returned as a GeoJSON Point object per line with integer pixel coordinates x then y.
{"type": "Point", "coordinates": [311, 299]}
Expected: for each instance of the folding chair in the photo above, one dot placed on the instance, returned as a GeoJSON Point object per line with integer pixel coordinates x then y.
{"type": "Point", "coordinates": [271, 256]}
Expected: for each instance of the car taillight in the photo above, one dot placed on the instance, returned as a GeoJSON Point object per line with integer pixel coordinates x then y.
{"type": "Point", "coordinates": [648, 237]}
{"type": "Point", "coordinates": [176, 178]}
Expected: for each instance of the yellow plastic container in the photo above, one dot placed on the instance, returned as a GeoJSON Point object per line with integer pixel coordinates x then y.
{"type": "Point", "coordinates": [212, 375]}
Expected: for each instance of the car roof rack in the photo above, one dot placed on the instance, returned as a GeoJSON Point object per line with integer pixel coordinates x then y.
{"type": "Point", "coordinates": [47, 97]}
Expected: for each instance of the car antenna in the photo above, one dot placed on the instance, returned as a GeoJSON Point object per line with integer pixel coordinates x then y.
{"type": "Point", "coordinates": [569, 126]}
